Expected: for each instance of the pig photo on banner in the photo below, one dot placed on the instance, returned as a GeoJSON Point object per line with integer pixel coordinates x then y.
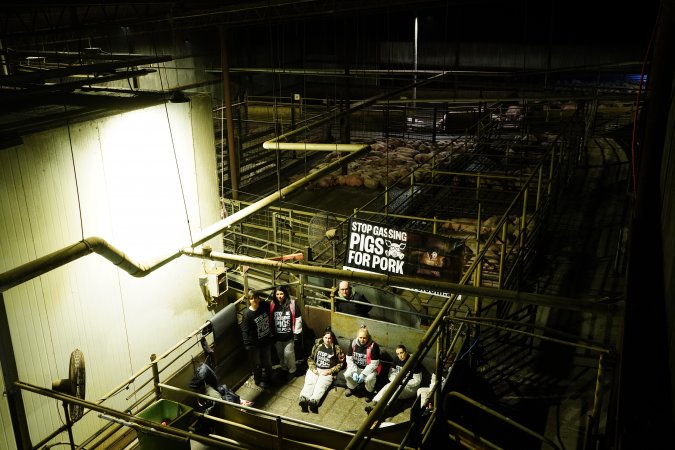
{"type": "Point", "coordinates": [379, 248]}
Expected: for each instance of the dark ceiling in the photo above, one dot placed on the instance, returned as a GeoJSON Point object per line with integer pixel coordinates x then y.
{"type": "Point", "coordinates": [23, 23]}
{"type": "Point", "coordinates": [71, 34]}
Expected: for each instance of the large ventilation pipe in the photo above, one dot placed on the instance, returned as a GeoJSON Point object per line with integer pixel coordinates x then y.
{"type": "Point", "coordinates": [100, 246]}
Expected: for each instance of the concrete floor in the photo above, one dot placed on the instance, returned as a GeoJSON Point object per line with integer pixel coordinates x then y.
{"type": "Point", "coordinates": [282, 399]}
{"type": "Point", "coordinates": [335, 411]}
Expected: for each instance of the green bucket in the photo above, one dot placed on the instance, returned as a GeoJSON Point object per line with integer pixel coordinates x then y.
{"type": "Point", "coordinates": [165, 413]}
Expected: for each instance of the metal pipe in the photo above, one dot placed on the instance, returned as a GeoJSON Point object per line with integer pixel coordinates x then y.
{"type": "Point", "coordinates": [416, 33]}
{"type": "Point", "coordinates": [476, 321]}
{"type": "Point", "coordinates": [220, 226]}
{"type": "Point", "coordinates": [469, 439]}
{"type": "Point", "coordinates": [62, 72]}
{"type": "Point", "coordinates": [592, 419]}
{"type": "Point", "coordinates": [504, 418]}
{"type": "Point", "coordinates": [261, 412]}
{"type": "Point", "coordinates": [308, 146]}
{"type": "Point", "coordinates": [69, 425]}
{"type": "Point", "coordinates": [276, 144]}
{"type": "Point", "coordinates": [23, 95]}
{"type": "Point", "coordinates": [155, 375]}
{"type": "Point", "coordinates": [149, 365]}
{"type": "Point", "coordinates": [10, 374]}
{"type": "Point", "coordinates": [136, 426]}
{"type": "Point", "coordinates": [140, 387]}
{"type": "Point", "coordinates": [227, 98]}
{"type": "Point", "coordinates": [407, 281]}
{"type": "Point", "coordinates": [148, 424]}
{"type": "Point", "coordinates": [47, 438]}
{"type": "Point", "coordinates": [70, 56]}
{"type": "Point", "coordinates": [44, 264]}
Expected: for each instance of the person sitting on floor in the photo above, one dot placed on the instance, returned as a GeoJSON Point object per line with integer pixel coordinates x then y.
{"type": "Point", "coordinates": [414, 378]}
{"type": "Point", "coordinates": [205, 381]}
{"type": "Point", "coordinates": [324, 362]}
{"type": "Point", "coordinates": [363, 364]}
{"type": "Point", "coordinates": [424, 393]}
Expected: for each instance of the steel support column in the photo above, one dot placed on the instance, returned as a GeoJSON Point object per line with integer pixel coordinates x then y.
{"type": "Point", "coordinates": [10, 375]}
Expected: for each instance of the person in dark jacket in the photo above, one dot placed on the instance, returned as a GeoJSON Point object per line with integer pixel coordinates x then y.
{"type": "Point", "coordinates": [350, 302]}
{"type": "Point", "coordinates": [323, 364]}
{"type": "Point", "coordinates": [257, 332]}
{"type": "Point", "coordinates": [363, 364]}
{"type": "Point", "coordinates": [205, 381]}
{"type": "Point", "coordinates": [287, 328]}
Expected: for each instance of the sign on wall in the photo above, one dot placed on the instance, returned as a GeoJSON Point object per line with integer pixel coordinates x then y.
{"type": "Point", "coordinates": [374, 247]}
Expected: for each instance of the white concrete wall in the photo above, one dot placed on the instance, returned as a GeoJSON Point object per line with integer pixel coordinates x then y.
{"type": "Point", "coordinates": [146, 182]}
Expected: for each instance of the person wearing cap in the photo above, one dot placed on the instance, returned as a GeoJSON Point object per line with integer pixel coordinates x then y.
{"type": "Point", "coordinates": [257, 332]}
{"type": "Point", "coordinates": [323, 364]}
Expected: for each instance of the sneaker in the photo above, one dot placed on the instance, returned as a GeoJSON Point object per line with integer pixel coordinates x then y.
{"type": "Point", "coordinates": [348, 392]}
{"type": "Point", "coordinates": [368, 408]}
{"type": "Point", "coordinates": [263, 384]}
{"type": "Point", "coordinates": [245, 402]}
{"type": "Point", "coordinates": [313, 406]}
{"type": "Point", "coordinates": [303, 404]}
{"type": "Point", "coordinates": [369, 398]}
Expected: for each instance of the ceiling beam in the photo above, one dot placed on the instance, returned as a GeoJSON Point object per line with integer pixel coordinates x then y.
{"type": "Point", "coordinates": [40, 76]}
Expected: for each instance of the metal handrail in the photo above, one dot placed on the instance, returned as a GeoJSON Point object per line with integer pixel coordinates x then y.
{"type": "Point", "coordinates": [260, 412]}
{"type": "Point", "coordinates": [499, 416]}
{"type": "Point", "coordinates": [130, 419]}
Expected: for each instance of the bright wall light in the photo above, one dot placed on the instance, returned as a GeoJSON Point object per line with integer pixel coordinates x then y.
{"type": "Point", "coordinates": [143, 187]}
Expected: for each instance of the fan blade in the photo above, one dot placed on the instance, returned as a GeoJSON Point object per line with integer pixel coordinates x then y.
{"type": "Point", "coordinates": [77, 379]}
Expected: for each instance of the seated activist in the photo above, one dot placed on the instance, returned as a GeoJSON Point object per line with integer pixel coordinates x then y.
{"type": "Point", "coordinates": [414, 378]}
{"type": "Point", "coordinates": [363, 364]}
{"type": "Point", "coordinates": [425, 393]}
{"type": "Point", "coordinates": [344, 302]}
{"type": "Point", "coordinates": [205, 381]}
{"type": "Point", "coordinates": [324, 362]}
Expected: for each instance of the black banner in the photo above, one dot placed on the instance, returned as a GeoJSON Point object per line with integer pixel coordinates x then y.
{"type": "Point", "coordinates": [374, 247]}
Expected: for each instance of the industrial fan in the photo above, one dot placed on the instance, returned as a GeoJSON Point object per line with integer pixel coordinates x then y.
{"type": "Point", "coordinates": [73, 385]}
{"type": "Point", "coordinates": [323, 233]}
